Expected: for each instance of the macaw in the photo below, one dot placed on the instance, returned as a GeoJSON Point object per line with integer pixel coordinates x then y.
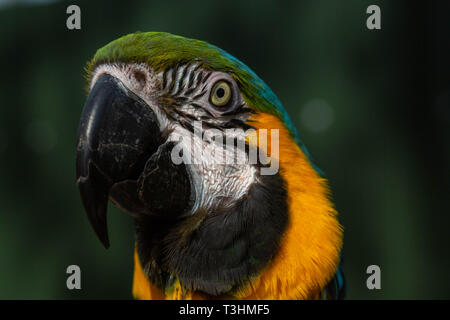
{"type": "Point", "coordinates": [204, 228]}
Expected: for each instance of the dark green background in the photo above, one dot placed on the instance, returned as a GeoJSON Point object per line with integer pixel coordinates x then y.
{"type": "Point", "coordinates": [385, 149]}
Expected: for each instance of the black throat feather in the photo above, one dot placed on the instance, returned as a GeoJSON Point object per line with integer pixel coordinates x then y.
{"type": "Point", "coordinates": [216, 252]}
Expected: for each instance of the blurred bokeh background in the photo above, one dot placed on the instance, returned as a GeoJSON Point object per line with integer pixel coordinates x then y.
{"type": "Point", "coordinates": [373, 107]}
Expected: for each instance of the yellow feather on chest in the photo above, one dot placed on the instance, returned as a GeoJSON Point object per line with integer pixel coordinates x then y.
{"type": "Point", "coordinates": [308, 256]}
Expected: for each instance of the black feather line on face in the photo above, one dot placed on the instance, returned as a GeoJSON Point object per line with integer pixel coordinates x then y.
{"type": "Point", "coordinates": [216, 252]}
{"type": "Point", "coordinates": [191, 80]}
{"type": "Point", "coordinates": [180, 82]}
{"type": "Point", "coordinates": [164, 80]}
{"type": "Point", "coordinates": [208, 74]}
{"type": "Point", "coordinates": [201, 94]}
{"type": "Point", "coordinates": [172, 82]}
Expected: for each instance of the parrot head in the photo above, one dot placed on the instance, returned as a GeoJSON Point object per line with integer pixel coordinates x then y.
{"type": "Point", "coordinates": [166, 134]}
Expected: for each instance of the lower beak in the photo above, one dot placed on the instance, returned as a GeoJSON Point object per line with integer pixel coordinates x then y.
{"type": "Point", "coordinates": [118, 133]}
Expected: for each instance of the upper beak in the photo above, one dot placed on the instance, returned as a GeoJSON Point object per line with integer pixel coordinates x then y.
{"type": "Point", "coordinates": [118, 132]}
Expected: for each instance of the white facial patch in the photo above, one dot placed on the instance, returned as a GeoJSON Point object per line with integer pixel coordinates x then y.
{"type": "Point", "coordinates": [216, 183]}
{"type": "Point", "coordinates": [221, 174]}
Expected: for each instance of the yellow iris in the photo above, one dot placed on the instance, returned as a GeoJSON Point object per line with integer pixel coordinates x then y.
{"type": "Point", "coordinates": [221, 93]}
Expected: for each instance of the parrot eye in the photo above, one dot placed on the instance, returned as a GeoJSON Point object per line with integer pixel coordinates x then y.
{"type": "Point", "coordinates": [220, 93]}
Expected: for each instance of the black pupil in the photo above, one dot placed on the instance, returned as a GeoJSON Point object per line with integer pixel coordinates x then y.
{"type": "Point", "coordinates": [220, 92]}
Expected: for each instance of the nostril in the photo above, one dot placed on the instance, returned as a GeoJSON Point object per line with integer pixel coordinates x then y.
{"type": "Point", "coordinates": [140, 77]}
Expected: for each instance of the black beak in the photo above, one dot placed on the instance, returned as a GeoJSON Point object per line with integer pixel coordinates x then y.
{"type": "Point", "coordinates": [118, 133]}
